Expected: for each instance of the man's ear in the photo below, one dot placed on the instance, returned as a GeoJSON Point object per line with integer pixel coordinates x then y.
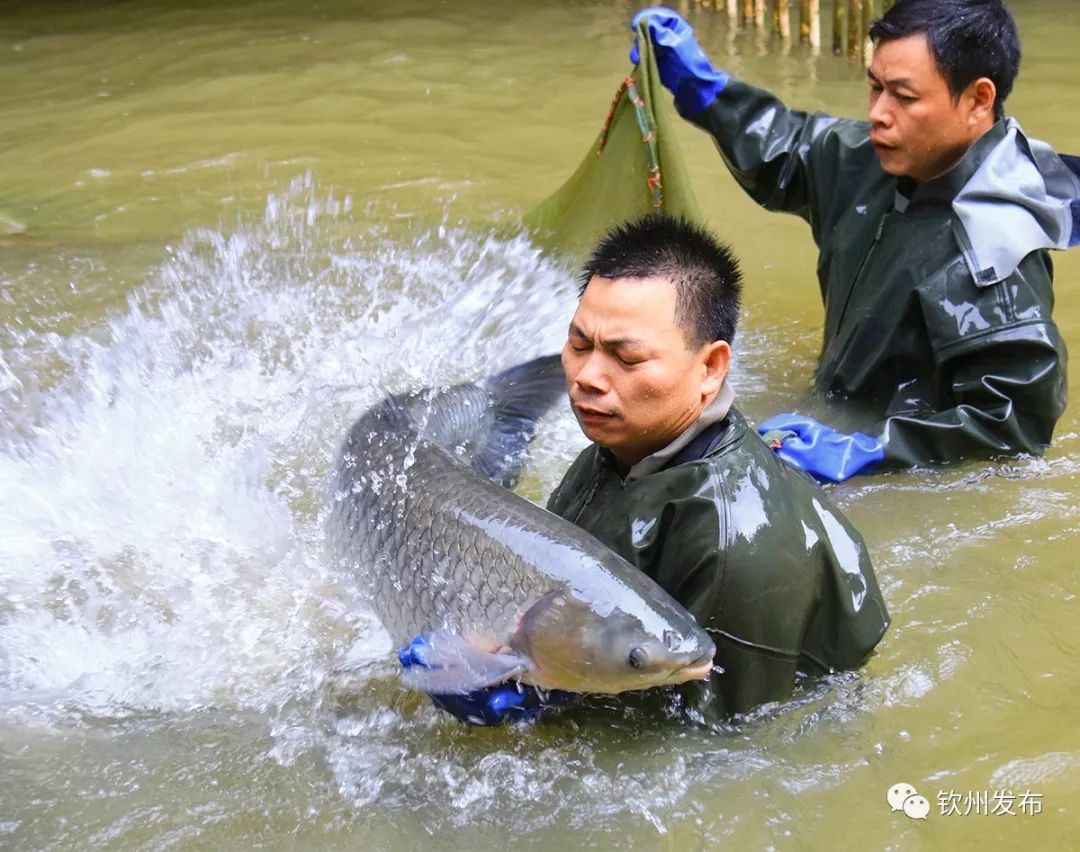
{"type": "Point", "coordinates": [983, 94]}
{"type": "Point", "coordinates": [716, 359]}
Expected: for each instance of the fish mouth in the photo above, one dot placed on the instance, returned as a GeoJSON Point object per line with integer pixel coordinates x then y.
{"type": "Point", "coordinates": [700, 669]}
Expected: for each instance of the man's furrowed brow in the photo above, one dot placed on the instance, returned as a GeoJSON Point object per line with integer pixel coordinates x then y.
{"type": "Point", "coordinates": [898, 83]}
{"type": "Point", "coordinates": [623, 343]}
{"type": "Point", "coordinates": [608, 342]}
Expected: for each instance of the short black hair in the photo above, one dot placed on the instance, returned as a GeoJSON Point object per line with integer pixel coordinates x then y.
{"type": "Point", "coordinates": [704, 271]}
{"type": "Point", "coordinates": [968, 39]}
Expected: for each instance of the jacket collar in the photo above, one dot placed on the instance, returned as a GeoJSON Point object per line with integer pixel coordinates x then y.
{"type": "Point", "coordinates": [1022, 197]}
{"type": "Point", "coordinates": [1010, 196]}
{"type": "Point", "coordinates": [714, 412]}
{"type": "Point", "coordinates": [944, 188]}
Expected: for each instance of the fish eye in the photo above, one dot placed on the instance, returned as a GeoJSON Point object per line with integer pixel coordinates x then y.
{"type": "Point", "coordinates": [639, 657]}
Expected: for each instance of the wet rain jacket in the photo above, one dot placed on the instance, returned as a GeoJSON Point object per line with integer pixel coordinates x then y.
{"type": "Point", "coordinates": [749, 545]}
{"type": "Point", "coordinates": [937, 296]}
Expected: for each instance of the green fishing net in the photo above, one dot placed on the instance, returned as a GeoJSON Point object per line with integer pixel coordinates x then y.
{"type": "Point", "coordinates": [634, 167]}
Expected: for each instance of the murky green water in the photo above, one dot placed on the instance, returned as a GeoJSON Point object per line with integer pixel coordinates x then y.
{"type": "Point", "coordinates": [246, 221]}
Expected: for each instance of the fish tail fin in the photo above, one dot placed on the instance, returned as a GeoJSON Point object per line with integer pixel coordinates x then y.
{"type": "Point", "coordinates": [520, 396]}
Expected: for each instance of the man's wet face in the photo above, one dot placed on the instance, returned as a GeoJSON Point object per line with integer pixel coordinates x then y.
{"type": "Point", "coordinates": [634, 383]}
{"type": "Point", "coordinates": [916, 126]}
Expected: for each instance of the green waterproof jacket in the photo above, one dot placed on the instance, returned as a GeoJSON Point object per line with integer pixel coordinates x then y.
{"type": "Point", "coordinates": [750, 546]}
{"type": "Point", "coordinates": [951, 361]}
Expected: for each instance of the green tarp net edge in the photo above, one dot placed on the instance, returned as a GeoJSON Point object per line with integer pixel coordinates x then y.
{"type": "Point", "coordinates": [634, 167]}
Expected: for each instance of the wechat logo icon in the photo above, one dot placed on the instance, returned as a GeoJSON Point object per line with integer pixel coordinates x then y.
{"type": "Point", "coordinates": [904, 797]}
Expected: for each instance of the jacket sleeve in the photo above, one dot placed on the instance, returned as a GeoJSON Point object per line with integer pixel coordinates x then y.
{"type": "Point", "coordinates": [1001, 366]}
{"type": "Point", "coordinates": [786, 160]}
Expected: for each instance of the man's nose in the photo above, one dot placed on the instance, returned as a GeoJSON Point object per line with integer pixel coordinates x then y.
{"type": "Point", "coordinates": [880, 113]}
{"type": "Point", "coordinates": [593, 376]}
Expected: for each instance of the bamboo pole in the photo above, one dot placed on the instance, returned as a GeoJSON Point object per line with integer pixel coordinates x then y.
{"type": "Point", "coordinates": [837, 27]}
{"type": "Point", "coordinates": [868, 16]}
{"type": "Point", "coordinates": [760, 8]}
{"type": "Point", "coordinates": [783, 19]}
{"type": "Point", "coordinates": [733, 13]}
{"type": "Point", "coordinates": [854, 22]}
{"type": "Point", "coordinates": [747, 11]}
{"type": "Point", "coordinates": [810, 22]}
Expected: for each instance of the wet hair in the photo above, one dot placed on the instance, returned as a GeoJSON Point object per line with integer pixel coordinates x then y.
{"type": "Point", "coordinates": [704, 271]}
{"type": "Point", "coordinates": [968, 39]}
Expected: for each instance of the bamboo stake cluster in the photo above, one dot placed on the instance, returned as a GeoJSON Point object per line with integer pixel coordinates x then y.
{"type": "Point", "coordinates": [851, 21]}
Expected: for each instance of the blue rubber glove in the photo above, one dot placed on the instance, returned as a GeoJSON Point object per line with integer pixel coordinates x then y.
{"type": "Point", "coordinates": [493, 705]}
{"type": "Point", "coordinates": [684, 68]}
{"type": "Point", "coordinates": [819, 449]}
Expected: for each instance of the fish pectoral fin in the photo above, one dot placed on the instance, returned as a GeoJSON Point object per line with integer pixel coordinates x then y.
{"type": "Point", "coordinates": [455, 667]}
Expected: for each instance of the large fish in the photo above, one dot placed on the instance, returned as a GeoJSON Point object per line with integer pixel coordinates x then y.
{"type": "Point", "coordinates": [422, 518]}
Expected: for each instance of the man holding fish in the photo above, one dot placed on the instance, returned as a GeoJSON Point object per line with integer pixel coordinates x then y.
{"type": "Point", "coordinates": [678, 483]}
{"type": "Point", "coordinates": [681, 488]}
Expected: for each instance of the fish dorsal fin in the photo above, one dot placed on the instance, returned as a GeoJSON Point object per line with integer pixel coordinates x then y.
{"type": "Point", "coordinates": [520, 396]}
{"type": "Point", "coordinates": [488, 425]}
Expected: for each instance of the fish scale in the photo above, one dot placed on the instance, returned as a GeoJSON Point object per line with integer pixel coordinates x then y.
{"type": "Point", "coordinates": [412, 547]}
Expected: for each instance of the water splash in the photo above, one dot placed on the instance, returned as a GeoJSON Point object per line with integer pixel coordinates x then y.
{"type": "Point", "coordinates": [162, 546]}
